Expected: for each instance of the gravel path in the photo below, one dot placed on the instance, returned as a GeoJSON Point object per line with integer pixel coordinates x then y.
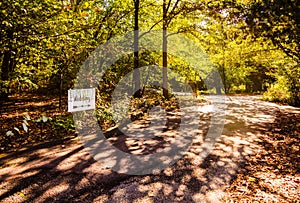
{"type": "Point", "coordinates": [65, 172]}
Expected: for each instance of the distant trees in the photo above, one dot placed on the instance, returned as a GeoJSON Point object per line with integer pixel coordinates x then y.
{"type": "Point", "coordinates": [278, 20]}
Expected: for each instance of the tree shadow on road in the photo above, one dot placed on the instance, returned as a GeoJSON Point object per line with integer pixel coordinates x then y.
{"type": "Point", "coordinates": [65, 172]}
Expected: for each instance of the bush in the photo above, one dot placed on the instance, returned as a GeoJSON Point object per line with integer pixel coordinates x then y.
{"type": "Point", "coordinates": [136, 110]}
{"type": "Point", "coordinates": [63, 124]}
{"type": "Point", "coordinates": [279, 92]}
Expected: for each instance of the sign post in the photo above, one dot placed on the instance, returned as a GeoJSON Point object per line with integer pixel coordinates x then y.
{"type": "Point", "coordinates": [81, 99]}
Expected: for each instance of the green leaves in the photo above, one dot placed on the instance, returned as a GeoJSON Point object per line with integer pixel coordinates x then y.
{"type": "Point", "coordinates": [276, 20]}
{"type": "Point", "coordinates": [46, 42]}
{"type": "Point", "coordinates": [86, 4]}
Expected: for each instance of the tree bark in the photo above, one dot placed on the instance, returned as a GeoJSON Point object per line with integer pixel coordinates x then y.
{"type": "Point", "coordinates": [6, 68]}
{"type": "Point", "coordinates": [136, 73]}
{"type": "Point", "coordinates": [165, 53]}
{"type": "Point", "coordinates": [60, 86]}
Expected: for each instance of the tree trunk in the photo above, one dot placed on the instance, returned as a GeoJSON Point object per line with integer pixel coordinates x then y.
{"type": "Point", "coordinates": [6, 68]}
{"type": "Point", "coordinates": [223, 58]}
{"type": "Point", "coordinates": [295, 100]}
{"type": "Point", "coordinates": [5, 65]}
{"type": "Point", "coordinates": [165, 53]}
{"type": "Point", "coordinates": [60, 86]}
{"type": "Point", "coordinates": [224, 79]}
{"type": "Point", "coordinates": [136, 73]}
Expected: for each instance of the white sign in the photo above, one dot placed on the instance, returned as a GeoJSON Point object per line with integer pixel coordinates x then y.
{"type": "Point", "coordinates": [81, 99]}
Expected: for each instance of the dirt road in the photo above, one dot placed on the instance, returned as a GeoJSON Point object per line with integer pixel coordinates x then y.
{"type": "Point", "coordinates": [65, 172]}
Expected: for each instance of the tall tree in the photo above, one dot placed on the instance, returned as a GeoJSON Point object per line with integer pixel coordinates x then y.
{"type": "Point", "coordinates": [165, 46]}
{"type": "Point", "coordinates": [136, 74]}
{"type": "Point", "coordinates": [173, 10]}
